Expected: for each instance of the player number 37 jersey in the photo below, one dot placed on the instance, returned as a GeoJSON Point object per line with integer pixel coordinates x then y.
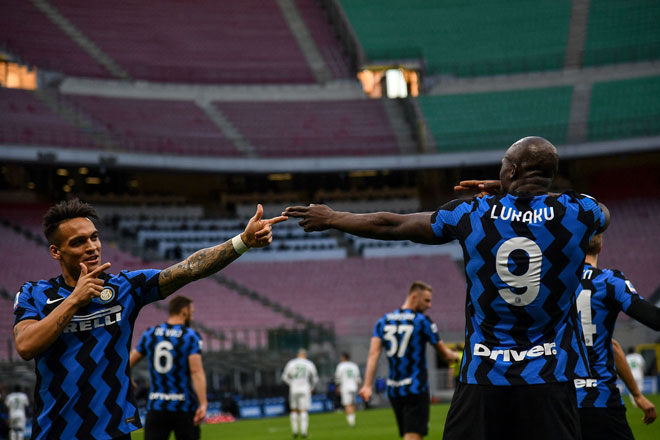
{"type": "Point", "coordinates": [523, 261]}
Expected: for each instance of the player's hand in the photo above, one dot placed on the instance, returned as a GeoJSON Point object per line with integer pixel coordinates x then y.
{"type": "Point", "coordinates": [365, 393]}
{"type": "Point", "coordinates": [88, 285]}
{"type": "Point", "coordinates": [258, 232]}
{"type": "Point", "coordinates": [647, 406]}
{"type": "Point", "coordinates": [480, 187]}
{"type": "Point", "coordinates": [454, 357]}
{"type": "Point", "coordinates": [200, 414]}
{"type": "Point", "coordinates": [314, 217]}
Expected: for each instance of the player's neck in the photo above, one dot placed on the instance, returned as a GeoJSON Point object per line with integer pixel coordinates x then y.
{"type": "Point", "coordinates": [592, 260]}
{"type": "Point", "coordinates": [176, 320]}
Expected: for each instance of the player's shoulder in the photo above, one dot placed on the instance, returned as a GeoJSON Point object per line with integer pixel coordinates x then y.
{"type": "Point", "coordinates": [613, 276]}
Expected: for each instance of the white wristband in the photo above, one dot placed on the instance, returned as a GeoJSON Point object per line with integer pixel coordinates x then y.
{"type": "Point", "coordinates": [238, 244]}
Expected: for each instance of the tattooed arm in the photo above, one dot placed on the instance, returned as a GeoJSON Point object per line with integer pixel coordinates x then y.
{"type": "Point", "coordinates": [34, 336]}
{"type": "Point", "coordinates": [206, 262]}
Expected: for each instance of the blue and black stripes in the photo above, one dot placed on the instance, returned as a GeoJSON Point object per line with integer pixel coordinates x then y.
{"type": "Point", "coordinates": [83, 389]}
{"type": "Point", "coordinates": [167, 348]}
{"type": "Point", "coordinates": [404, 334]}
{"type": "Point", "coordinates": [602, 294]}
{"type": "Point", "coordinates": [523, 259]}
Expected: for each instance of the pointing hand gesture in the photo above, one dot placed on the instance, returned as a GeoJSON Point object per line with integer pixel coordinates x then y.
{"type": "Point", "coordinates": [481, 187]}
{"type": "Point", "coordinates": [258, 232]}
{"type": "Point", "coordinates": [88, 285]}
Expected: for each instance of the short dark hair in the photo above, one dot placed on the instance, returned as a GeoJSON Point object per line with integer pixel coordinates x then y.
{"type": "Point", "coordinates": [595, 244]}
{"type": "Point", "coordinates": [177, 304]}
{"type": "Point", "coordinates": [66, 210]}
{"type": "Point", "coordinates": [345, 356]}
{"type": "Point", "coordinates": [419, 285]}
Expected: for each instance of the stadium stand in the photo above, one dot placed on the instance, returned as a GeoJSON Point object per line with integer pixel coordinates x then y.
{"type": "Point", "coordinates": [464, 38]}
{"type": "Point", "coordinates": [26, 121]}
{"type": "Point", "coordinates": [24, 31]}
{"type": "Point", "coordinates": [325, 38]}
{"type": "Point", "coordinates": [157, 126]}
{"type": "Point", "coordinates": [208, 42]}
{"type": "Point", "coordinates": [622, 31]}
{"type": "Point", "coordinates": [495, 120]}
{"type": "Point", "coordinates": [353, 293]}
{"type": "Point", "coordinates": [322, 128]}
{"type": "Point", "coordinates": [628, 108]}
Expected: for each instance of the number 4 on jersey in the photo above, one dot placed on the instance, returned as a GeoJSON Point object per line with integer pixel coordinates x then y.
{"type": "Point", "coordinates": [584, 307]}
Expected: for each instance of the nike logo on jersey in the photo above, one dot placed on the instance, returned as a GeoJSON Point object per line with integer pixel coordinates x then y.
{"type": "Point", "coordinates": [53, 301]}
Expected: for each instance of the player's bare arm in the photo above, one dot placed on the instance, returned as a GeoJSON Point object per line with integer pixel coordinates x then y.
{"type": "Point", "coordinates": [199, 384]}
{"type": "Point", "coordinates": [33, 336]}
{"type": "Point", "coordinates": [623, 369]}
{"type": "Point", "coordinates": [206, 262]}
{"type": "Point", "coordinates": [375, 347]}
{"type": "Point", "coordinates": [448, 355]}
{"type": "Point", "coordinates": [379, 225]}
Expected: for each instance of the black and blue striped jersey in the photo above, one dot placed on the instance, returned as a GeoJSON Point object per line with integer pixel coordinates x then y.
{"type": "Point", "coordinates": [523, 261]}
{"type": "Point", "coordinates": [83, 388]}
{"type": "Point", "coordinates": [602, 294]}
{"type": "Point", "coordinates": [167, 348]}
{"type": "Point", "coordinates": [404, 334]}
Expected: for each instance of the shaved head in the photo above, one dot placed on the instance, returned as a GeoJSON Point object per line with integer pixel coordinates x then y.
{"type": "Point", "coordinates": [529, 164]}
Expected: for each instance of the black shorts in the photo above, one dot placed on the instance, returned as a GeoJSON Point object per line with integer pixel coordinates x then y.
{"type": "Point", "coordinates": [609, 423]}
{"type": "Point", "coordinates": [539, 412]}
{"type": "Point", "coordinates": [412, 413]}
{"type": "Point", "coordinates": [159, 424]}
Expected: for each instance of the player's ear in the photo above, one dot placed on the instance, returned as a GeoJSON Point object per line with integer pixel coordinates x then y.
{"type": "Point", "coordinates": [54, 252]}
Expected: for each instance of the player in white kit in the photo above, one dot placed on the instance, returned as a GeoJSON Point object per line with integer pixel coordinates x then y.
{"type": "Point", "coordinates": [347, 378]}
{"type": "Point", "coordinates": [16, 403]}
{"type": "Point", "coordinates": [301, 376]}
{"type": "Point", "coordinates": [637, 366]}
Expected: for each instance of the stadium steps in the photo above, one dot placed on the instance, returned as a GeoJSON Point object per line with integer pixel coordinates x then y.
{"type": "Point", "coordinates": [578, 120]}
{"type": "Point", "coordinates": [577, 34]}
{"type": "Point", "coordinates": [255, 296]}
{"type": "Point", "coordinates": [400, 126]}
{"type": "Point", "coordinates": [76, 118]}
{"type": "Point", "coordinates": [81, 39]}
{"type": "Point", "coordinates": [305, 41]}
{"type": "Point", "coordinates": [228, 129]}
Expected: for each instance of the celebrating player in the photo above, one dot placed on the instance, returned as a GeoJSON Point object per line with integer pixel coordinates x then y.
{"type": "Point", "coordinates": [524, 249]}
{"type": "Point", "coordinates": [347, 379]}
{"type": "Point", "coordinates": [602, 294]}
{"type": "Point", "coordinates": [301, 376]}
{"type": "Point", "coordinates": [404, 334]}
{"type": "Point", "coordinates": [78, 326]}
{"type": "Point", "coordinates": [174, 351]}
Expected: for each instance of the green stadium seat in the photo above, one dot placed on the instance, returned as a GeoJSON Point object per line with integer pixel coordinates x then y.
{"type": "Point", "coordinates": [622, 31]}
{"type": "Point", "coordinates": [624, 109]}
{"type": "Point", "coordinates": [495, 120]}
{"type": "Point", "coordinates": [466, 37]}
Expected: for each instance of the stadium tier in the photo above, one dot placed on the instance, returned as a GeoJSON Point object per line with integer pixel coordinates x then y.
{"type": "Point", "coordinates": [353, 293]}
{"type": "Point", "coordinates": [464, 38]}
{"type": "Point", "coordinates": [325, 38]}
{"type": "Point", "coordinates": [26, 121]}
{"type": "Point", "coordinates": [631, 242]}
{"type": "Point", "coordinates": [28, 34]}
{"type": "Point", "coordinates": [314, 128]}
{"type": "Point", "coordinates": [156, 126]}
{"type": "Point", "coordinates": [625, 109]}
{"type": "Point", "coordinates": [622, 31]}
{"type": "Point", "coordinates": [205, 42]}
{"type": "Point", "coordinates": [497, 119]}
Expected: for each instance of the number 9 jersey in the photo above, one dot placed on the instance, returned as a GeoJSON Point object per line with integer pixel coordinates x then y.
{"type": "Point", "coordinates": [404, 334]}
{"type": "Point", "coordinates": [523, 262]}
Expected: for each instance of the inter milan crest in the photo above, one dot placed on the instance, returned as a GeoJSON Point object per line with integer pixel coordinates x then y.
{"type": "Point", "coordinates": [107, 294]}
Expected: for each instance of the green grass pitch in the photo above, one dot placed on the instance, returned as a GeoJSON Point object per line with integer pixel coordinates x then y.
{"type": "Point", "coordinates": [376, 424]}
